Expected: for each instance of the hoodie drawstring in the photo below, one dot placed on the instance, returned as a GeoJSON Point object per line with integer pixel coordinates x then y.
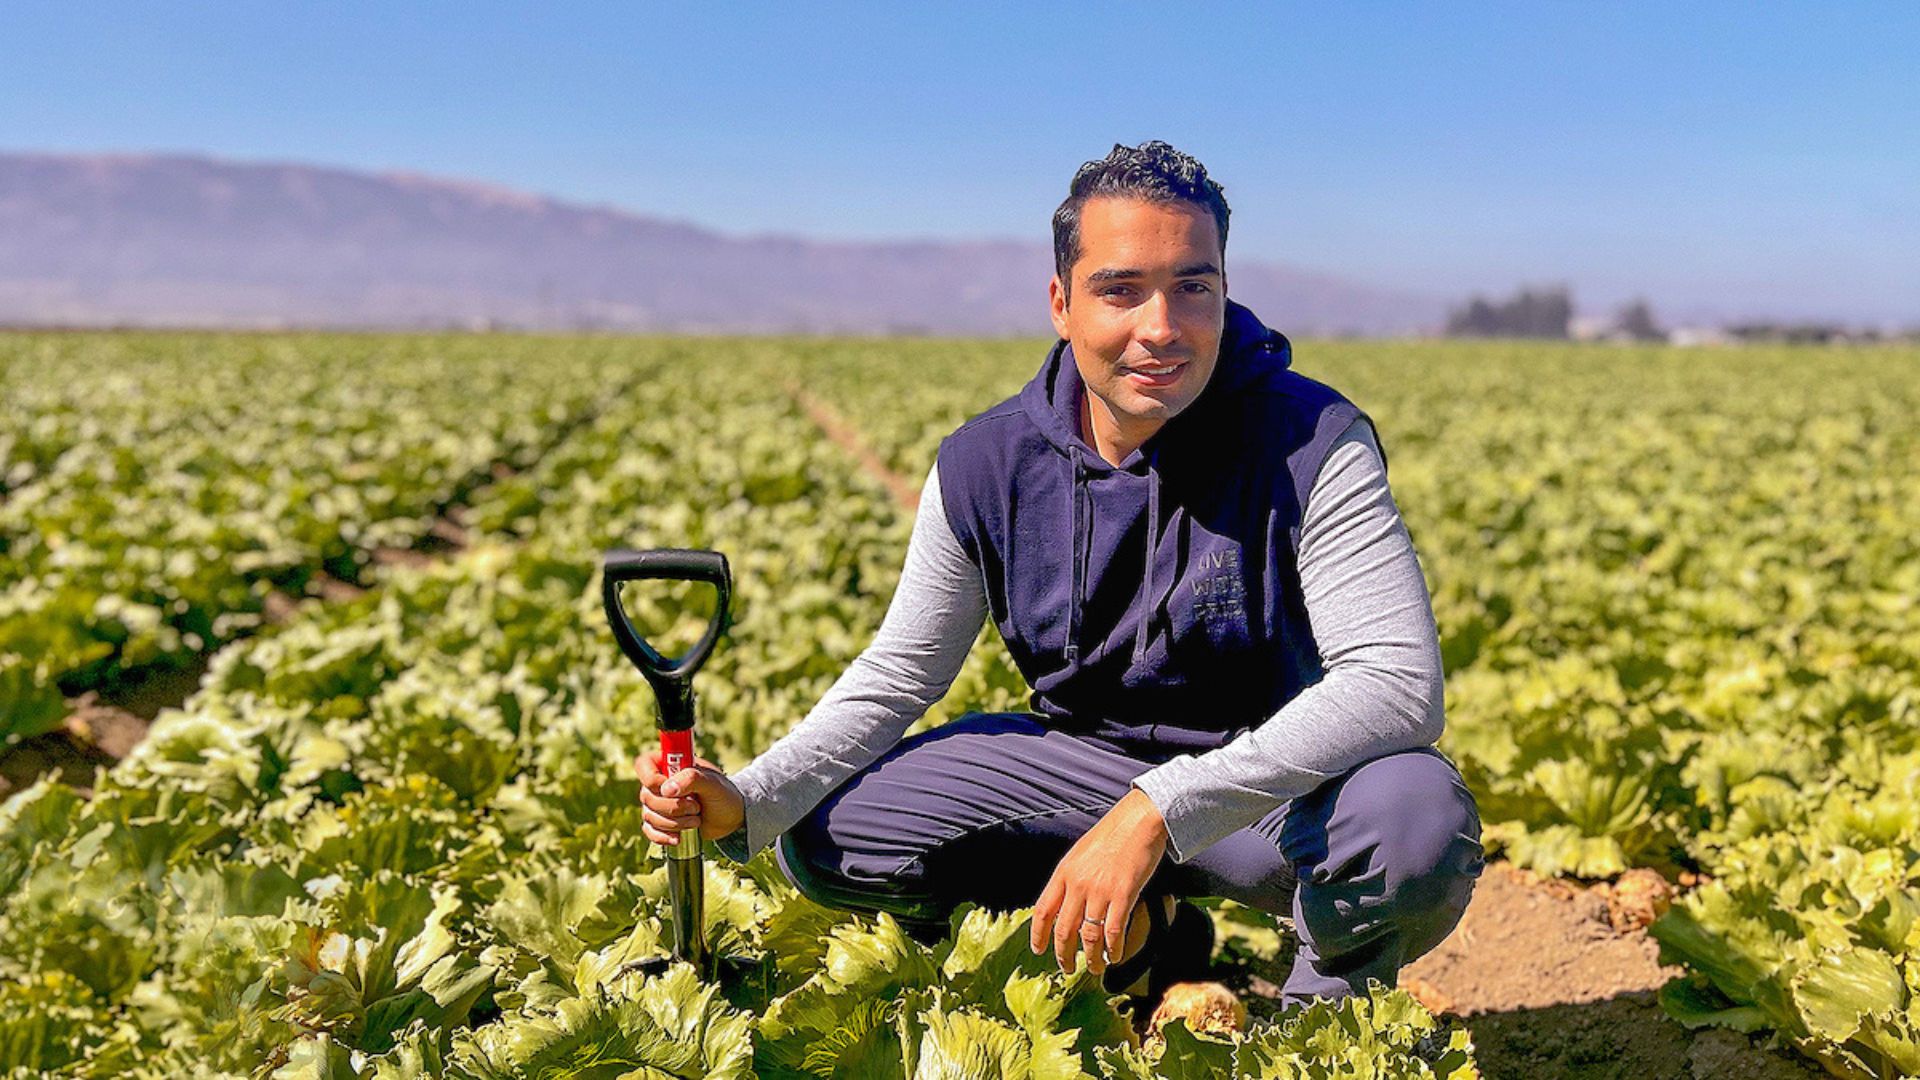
{"type": "Point", "coordinates": [1081, 554]}
{"type": "Point", "coordinates": [1079, 559]}
{"type": "Point", "coordinates": [1151, 602]}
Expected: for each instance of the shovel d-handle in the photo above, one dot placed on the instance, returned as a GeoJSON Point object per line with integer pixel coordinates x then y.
{"type": "Point", "coordinates": [672, 681]}
{"type": "Point", "coordinates": [671, 677]}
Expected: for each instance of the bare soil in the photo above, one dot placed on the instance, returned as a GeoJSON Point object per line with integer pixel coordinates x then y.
{"type": "Point", "coordinates": [1549, 988]}
{"type": "Point", "coordinates": [847, 438]}
{"type": "Point", "coordinates": [94, 735]}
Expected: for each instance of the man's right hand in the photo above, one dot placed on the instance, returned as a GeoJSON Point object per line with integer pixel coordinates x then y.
{"type": "Point", "coordinates": [700, 798]}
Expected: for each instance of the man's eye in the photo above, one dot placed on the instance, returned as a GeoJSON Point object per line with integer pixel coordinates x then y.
{"type": "Point", "coordinates": [1200, 286]}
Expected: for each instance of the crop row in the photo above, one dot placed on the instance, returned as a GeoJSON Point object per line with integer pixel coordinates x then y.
{"type": "Point", "coordinates": [159, 487]}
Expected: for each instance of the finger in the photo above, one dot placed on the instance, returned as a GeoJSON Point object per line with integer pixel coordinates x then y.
{"type": "Point", "coordinates": [644, 769]}
{"type": "Point", "coordinates": [669, 822]}
{"type": "Point", "coordinates": [1043, 912]}
{"type": "Point", "coordinates": [1066, 933]}
{"type": "Point", "coordinates": [1110, 934]}
{"type": "Point", "coordinates": [1093, 937]}
{"type": "Point", "coordinates": [699, 782]}
{"type": "Point", "coordinates": [662, 837]}
{"type": "Point", "coordinates": [663, 804]}
{"type": "Point", "coordinates": [1118, 915]}
{"type": "Point", "coordinates": [665, 815]}
{"type": "Point", "coordinates": [686, 782]}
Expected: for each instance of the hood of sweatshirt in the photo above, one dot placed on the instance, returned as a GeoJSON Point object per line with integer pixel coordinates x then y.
{"type": "Point", "coordinates": [1251, 356]}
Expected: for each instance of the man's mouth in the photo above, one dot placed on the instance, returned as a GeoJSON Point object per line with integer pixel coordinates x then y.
{"type": "Point", "coordinates": [1156, 375]}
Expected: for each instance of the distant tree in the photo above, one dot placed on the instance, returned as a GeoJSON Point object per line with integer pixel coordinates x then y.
{"type": "Point", "coordinates": [1636, 321]}
{"type": "Point", "coordinates": [1530, 314]}
{"type": "Point", "coordinates": [1546, 314]}
{"type": "Point", "coordinates": [1477, 319]}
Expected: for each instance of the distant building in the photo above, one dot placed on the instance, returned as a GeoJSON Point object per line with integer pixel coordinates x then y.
{"type": "Point", "coordinates": [1590, 328]}
{"type": "Point", "coordinates": [1695, 336]}
{"type": "Point", "coordinates": [1633, 323]}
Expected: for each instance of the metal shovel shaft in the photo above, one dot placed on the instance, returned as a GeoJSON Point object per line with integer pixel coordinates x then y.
{"type": "Point", "coordinates": [686, 876]}
{"type": "Point", "coordinates": [686, 890]}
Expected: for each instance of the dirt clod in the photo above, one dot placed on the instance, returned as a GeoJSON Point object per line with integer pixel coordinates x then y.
{"type": "Point", "coordinates": [1431, 997]}
{"type": "Point", "coordinates": [278, 607]}
{"type": "Point", "coordinates": [1205, 1006]}
{"type": "Point", "coordinates": [107, 729]}
{"type": "Point", "coordinates": [1636, 899]}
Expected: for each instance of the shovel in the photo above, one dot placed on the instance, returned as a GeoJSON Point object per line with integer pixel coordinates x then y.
{"type": "Point", "coordinates": [672, 681]}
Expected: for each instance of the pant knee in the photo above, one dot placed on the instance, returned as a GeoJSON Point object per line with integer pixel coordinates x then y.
{"type": "Point", "coordinates": [817, 866]}
{"type": "Point", "coordinates": [1423, 819]}
{"type": "Point", "coordinates": [826, 873]}
{"type": "Point", "coordinates": [1403, 852]}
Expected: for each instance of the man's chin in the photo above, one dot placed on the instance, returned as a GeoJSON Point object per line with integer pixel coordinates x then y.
{"type": "Point", "coordinates": [1151, 406]}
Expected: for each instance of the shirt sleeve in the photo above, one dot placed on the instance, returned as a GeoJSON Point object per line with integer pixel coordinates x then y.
{"type": "Point", "coordinates": [935, 615]}
{"type": "Point", "coordinates": [1382, 690]}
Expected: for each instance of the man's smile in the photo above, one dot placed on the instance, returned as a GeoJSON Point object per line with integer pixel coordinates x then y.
{"type": "Point", "coordinates": [1156, 375]}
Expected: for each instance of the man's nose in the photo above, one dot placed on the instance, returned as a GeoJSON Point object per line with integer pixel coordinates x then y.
{"type": "Point", "coordinates": [1155, 321]}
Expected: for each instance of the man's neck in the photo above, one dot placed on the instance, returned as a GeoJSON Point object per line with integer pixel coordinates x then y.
{"type": "Point", "coordinates": [1098, 427]}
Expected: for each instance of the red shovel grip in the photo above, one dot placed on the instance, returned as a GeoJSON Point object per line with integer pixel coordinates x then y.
{"type": "Point", "coordinates": [675, 754]}
{"type": "Point", "coordinates": [676, 751]}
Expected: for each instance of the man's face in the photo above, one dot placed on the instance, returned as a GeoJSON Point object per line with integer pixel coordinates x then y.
{"type": "Point", "coordinates": [1149, 294]}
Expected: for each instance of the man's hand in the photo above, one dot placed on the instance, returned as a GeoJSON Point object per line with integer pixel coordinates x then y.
{"type": "Point", "coordinates": [1101, 877]}
{"type": "Point", "coordinates": [697, 798]}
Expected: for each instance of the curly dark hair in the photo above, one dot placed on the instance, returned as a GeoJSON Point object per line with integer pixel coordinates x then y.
{"type": "Point", "coordinates": [1153, 171]}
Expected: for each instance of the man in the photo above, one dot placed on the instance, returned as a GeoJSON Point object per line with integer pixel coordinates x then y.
{"type": "Point", "coordinates": [1193, 557]}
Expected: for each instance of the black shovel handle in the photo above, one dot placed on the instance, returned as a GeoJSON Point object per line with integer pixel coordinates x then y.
{"type": "Point", "coordinates": [665, 564]}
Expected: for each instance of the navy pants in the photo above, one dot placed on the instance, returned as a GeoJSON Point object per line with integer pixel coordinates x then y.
{"type": "Point", "coordinates": [1375, 867]}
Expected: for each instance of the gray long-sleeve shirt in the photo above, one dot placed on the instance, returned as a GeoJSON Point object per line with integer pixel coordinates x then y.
{"type": "Point", "coordinates": [1366, 601]}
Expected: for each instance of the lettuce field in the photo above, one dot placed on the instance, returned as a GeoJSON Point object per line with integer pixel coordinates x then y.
{"type": "Point", "coordinates": [393, 830]}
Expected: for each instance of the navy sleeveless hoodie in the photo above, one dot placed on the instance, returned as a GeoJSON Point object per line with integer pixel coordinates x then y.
{"type": "Point", "coordinates": [1155, 604]}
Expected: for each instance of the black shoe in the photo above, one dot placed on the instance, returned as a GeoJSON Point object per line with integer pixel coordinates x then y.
{"type": "Point", "coordinates": [1180, 951]}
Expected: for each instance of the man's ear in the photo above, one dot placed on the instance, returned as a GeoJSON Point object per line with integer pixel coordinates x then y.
{"type": "Point", "coordinates": [1057, 300]}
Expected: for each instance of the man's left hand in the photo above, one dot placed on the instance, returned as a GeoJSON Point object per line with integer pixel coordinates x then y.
{"type": "Point", "coordinates": [1100, 878]}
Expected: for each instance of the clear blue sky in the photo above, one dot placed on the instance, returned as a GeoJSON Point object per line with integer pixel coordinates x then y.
{"type": "Point", "coordinates": [1722, 157]}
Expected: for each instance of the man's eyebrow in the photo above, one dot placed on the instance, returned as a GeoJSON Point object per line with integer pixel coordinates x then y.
{"type": "Point", "coordinates": [1120, 273]}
